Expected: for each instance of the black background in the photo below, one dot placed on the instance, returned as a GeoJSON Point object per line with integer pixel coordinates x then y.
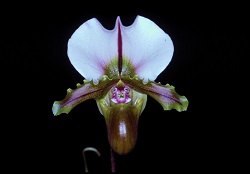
{"type": "Point", "coordinates": [210, 42]}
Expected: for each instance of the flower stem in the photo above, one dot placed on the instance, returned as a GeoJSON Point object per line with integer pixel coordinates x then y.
{"type": "Point", "coordinates": [112, 160]}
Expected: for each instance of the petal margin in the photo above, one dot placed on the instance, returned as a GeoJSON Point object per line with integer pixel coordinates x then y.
{"type": "Point", "coordinates": [147, 46]}
{"type": "Point", "coordinates": [85, 91]}
{"type": "Point", "coordinates": [164, 94]}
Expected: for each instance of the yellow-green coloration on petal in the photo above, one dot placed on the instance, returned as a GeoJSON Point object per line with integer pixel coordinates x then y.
{"type": "Point", "coordinates": [111, 69]}
{"type": "Point", "coordinates": [85, 91]}
{"type": "Point", "coordinates": [164, 94]}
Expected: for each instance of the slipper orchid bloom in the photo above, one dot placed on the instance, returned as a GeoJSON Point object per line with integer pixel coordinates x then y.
{"type": "Point", "coordinates": [119, 67]}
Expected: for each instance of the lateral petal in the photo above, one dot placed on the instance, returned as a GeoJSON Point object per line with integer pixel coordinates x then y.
{"type": "Point", "coordinates": [164, 94]}
{"type": "Point", "coordinates": [88, 90]}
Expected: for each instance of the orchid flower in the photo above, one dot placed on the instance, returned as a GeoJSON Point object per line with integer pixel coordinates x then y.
{"type": "Point", "coordinates": [119, 67]}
